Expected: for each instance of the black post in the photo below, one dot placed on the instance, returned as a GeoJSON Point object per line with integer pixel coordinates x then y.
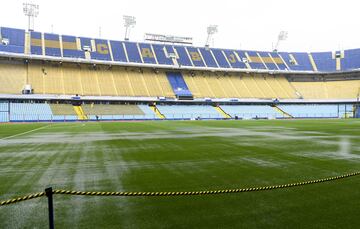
{"type": "Point", "coordinates": [49, 194]}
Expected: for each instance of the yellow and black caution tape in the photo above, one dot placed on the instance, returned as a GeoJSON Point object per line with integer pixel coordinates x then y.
{"type": "Point", "coordinates": [28, 197]}
{"type": "Point", "coordinates": [191, 193]}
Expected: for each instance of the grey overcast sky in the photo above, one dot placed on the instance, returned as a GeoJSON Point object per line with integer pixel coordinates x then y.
{"type": "Point", "coordinates": [313, 25]}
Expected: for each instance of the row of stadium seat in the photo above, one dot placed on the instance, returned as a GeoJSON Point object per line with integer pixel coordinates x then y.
{"type": "Point", "coordinates": [345, 89]}
{"type": "Point", "coordinates": [189, 112]}
{"type": "Point", "coordinates": [300, 111]}
{"type": "Point", "coordinates": [55, 45]}
{"type": "Point", "coordinates": [71, 79]}
{"type": "Point", "coordinates": [4, 112]}
{"type": "Point", "coordinates": [85, 80]}
{"type": "Point", "coordinates": [211, 85]}
{"type": "Point", "coordinates": [66, 112]}
{"type": "Point", "coordinates": [118, 112]}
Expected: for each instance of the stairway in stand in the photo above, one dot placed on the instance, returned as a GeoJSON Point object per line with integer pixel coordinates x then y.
{"type": "Point", "coordinates": [222, 112]}
{"type": "Point", "coordinates": [80, 113]}
{"type": "Point", "coordinates": [285, 114]}
{"type": "Point", "coordinates": [157, 112]}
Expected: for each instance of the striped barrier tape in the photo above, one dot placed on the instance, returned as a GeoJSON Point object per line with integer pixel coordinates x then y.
{"type": "Point", "coordinates": [191, 193]}
{"type": "Point", "coordinates": [28, 197]}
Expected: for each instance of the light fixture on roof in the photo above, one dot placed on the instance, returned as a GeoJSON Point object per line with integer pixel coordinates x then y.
{"type": "Point", "coordinates": [211, 30]}
{"type": "Point", "coordinates": [283, 35]}
{"type": "Point", "coordinates": [129, 22]}
{"type": "Point", "coordinates": [31, 11]}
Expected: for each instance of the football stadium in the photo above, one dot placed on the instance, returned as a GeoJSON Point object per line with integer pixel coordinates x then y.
{"type": "Point", "coordinates": [167, 133]}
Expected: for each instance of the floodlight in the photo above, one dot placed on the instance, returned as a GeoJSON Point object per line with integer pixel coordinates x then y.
{"type": "Point", "coordinates": [31, 11]}
{"type": "Point", "coordinates": [129, 22]}
{"type": "Point", "coordinates": [283, 35]}
{"type": "Point", "coordinates": [211, 30]}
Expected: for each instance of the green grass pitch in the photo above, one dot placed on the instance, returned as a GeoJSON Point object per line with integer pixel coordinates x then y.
{"type": "Point", "coordinates": [182, 156]}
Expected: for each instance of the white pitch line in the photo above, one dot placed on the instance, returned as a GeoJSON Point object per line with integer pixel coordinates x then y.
{"type": "Point", "coordinates": [12, 136]}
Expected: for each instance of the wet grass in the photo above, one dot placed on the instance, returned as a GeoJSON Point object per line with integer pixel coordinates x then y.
{"type": "Point", "coordinates": [182, 156]}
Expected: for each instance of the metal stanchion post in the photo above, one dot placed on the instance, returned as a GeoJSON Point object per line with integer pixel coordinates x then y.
{"type": "Point", "coordinates": [49, 194]}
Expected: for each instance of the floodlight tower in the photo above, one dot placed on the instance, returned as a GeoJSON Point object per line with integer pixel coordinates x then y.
{"type": "Point", "coordinates": [129, 22]}
{"type": "Point", "coordinates": [211, 30]}
{"type": "Point", "coordinates": [31, 11]}
{"type": "Point", "coordinates": [283, 35]}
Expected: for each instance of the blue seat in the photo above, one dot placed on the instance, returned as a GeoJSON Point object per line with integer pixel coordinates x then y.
{"type": "Point", "coordinates": [178, 84]}
{"type": "Point", "coordinates": [70, 48]}
{"type": "Point", "coordinates": [52, 45]}
{"type": "Point", "coordinates": [324, 61]}
{"type": "Point", "coordinates": [118, 51]}
{"type": "Point", "coordinates": [102, 50]}
{"type": "Point", "coordinates": [170, 50]}
{"type": "Point", "coordinates": [268, 61]}
{"type": "Point", "coordinates": [160, 54]}
{"type": "Point", "coordinates": [220, 58]}
{"type": "Point", "coordinates": [195, 57]}
{"type": "Point", "coordinates": [147, 53]}
{"type": "Point", "coordinates": [351, 60]}
{"type": "Point", "coordinates": [241, 55]}
{"type": "Point", "coordinates": [16, 39]}
{"type": "Point", "coordinates": [208, 58]}
{"type": "Point", "coordinates": [132, 52]}
{"type": "Point", "coordinates": [279, 62]}
{"type": "Point", "coordinates": [85, 42]}
{"type": "Point", "coordinates": [183, 56]}
{"type": "Point", "coordinates": [36, 43]}
{"type": "Point", "coordinates": [189, 56]}
{"type": "Point", "coordinates": [255, 61]}
{"type": "Point", "coordinates": [233, 59]}
{"type": "Point", "coordinates": [302, 61]}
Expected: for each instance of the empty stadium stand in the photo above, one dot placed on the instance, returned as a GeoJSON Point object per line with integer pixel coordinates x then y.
{"type": "Point", "coordinates": [314, 111]}
{"type": "Point", "coordinates": [101, 80]}
{"type": "Point", "coordinates": [189, 112]}
{"type": "Point", "coordinates": [42, 73]}
{"type": "Point", "coordinates": [324, 61]}
{"type": "Point", "coordinates": [71, 47]}
{"type": "Point", "coordinates": [71, 79]}
{"type": "Point", "coordinates": [12, 40]}
{"type": "Point", "coordinates": [297, 61]}
{"type": "Point", "coordinates": [231, 85]}
{"type": "Point", "coordinates": [4, 112]}
{"type": "Point", "coordinates": [36, 43]}
{"type": "Point", "coordinates": [30, 112]}
{"type": "Point", "coordinates": [345, 89]}
{"type": "Point", "coordinates": [159, 53]}
{"type": "Point", "coordinates": [12, 77]}
{"type": "Point", "coordinates": [349, 58]}
{"type": "Point", "coordinates": [54, 45]}
{"type": "Point", "coordinates": [252, 111]}
{"type": "Point", "coordinates": [34, 112]}
{"type": "Point", "coordinates": [60, 112]}
{"type": "Point", "coordinates": [116, 112]}
{"type": "Point", "coordinates": [357, 112]}
{"type": "Point", "coordinates": [178, 85]}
